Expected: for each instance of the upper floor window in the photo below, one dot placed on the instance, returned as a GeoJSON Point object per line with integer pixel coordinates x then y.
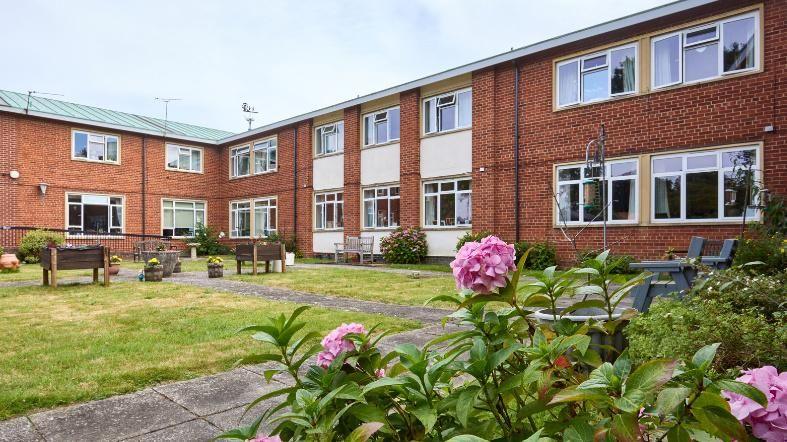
{"type": "Point", "coordinates": [448, 203]}
{"type": "Point", "coordinates": [598, 76]}
{"type": "Point", "coordinates": [329, 210]}
{"type": "Point", "coordinates": [95, 147]}
{"type": "Point", "coordinates": [448, 112]}
{"type": "Point", "coordinates": [705, 52]}
{"type": "Point", "coordinates": [581, 193]}
{"type": "Point", "coordinates": [381, 127]}
{"type": "Point", "coordinates": [381, 207]}
{"type": "Point", "coordinates": [329, 138]}
{"type": "Point", "coordinates": [704, 186]}
{"type": "Point", "coordinates": [184, 158]}
{"type": "Point", "coordinates": [88, 213]}
{"type": "Point", "coordinates": [181, 218]}
{"type": "Point", "coordinates": [265, 156]}
{"type": "Point", "coordinates": [240, 159]}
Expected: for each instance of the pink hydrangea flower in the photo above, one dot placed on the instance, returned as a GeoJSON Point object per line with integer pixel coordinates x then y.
{"type": "Point", "coordinates": [767, 423]}
{"type": "Point", "coordinates": [334, 343]}
{"type": "Point", "coordinates": [266, 439]}
{"type": "Point", "coordinates": [380, 372]}
{"type": "Point", "coordinates": [483, 266]}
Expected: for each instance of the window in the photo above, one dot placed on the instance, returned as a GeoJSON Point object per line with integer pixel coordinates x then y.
{"type": "Point", "coordinates": [705, 52]}
{"type": "Point", "coordinates": [95, 213]}
{"type": "Point", "coordinates": [95, 147]}
{"type": "Point", "coordinates": [184, 158]}
{"type": "Point", "coordinates": [702, 186]}
{"type": "Point", "coordinates": [381, 207]}
{"type": "Point", "coordinates": [328, 210]}
{"type": "Point", "coordinates": [580, 193]}
{"type": "Point", "coordinates": [381, 127]}
{"type": "Point", "coordinates": [180, 218]}
{"type": "Point", "coordinates": [264, 217]}
{"type": "Point", "coordinates": [239, 161]}
{"type": "Point", "coordinates": [265, 156]}
{"type": "Point", "coordinates": [448, 203]}
{"type": "Point", "coordinates": [447, 112]}
{"type": "Point", "coordinates": [240, 219]}
{"type": "Point", "coordinates": [329, 138]}
{"type": "Point", "coordinates": [597, 76]}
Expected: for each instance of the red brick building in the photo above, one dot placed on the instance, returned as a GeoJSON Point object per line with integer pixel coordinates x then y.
{"type": "Point", "coordinates": [687, 92]}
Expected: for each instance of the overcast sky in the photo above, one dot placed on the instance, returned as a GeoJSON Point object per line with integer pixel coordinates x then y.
{"type": "Point", "coordinates": [285, 58]}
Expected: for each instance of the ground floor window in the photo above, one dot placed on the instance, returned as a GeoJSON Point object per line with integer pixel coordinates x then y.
{"type": "Point", "coordinates": [381, 207]}
{"type": "Point", "coordinates": [181, 218]}
{"type": "Point", "coordinates": [329, 210]}
{"type": "Point", "coordinates": [448, 203]}
{"type": "Point", "coordinates": [89, 213]}
{"type": "Point", "coordinates": [581, 191]}
{"type": "Point", "coordinates": [264, 217]}
{"type": "Point", "coordinates": [706, 185]}
{"type": "Point", "coordinates": [240, 219]}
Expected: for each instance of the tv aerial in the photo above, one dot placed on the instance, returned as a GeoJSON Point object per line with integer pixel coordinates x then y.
{"type": "Point", "coordinates": [166, 109]}
{"type": "Point", "coordinates": [31, 93]}
{"type": "Point", "coordinates": [249, 109]}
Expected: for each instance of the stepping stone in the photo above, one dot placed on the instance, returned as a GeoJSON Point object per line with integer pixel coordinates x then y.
{"type": "Point", "coordinates": [18, 430]}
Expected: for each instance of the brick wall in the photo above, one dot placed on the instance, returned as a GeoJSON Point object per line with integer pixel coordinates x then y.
{"type": "Point", "coordinates": [8, 162]}
{"type": "Point", "coordinates": [352, 171]}
{"type": "Point", "coordinates": [410, 159]}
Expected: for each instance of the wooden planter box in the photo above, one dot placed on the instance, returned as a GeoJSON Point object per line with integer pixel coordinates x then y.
{"type": "Point", "coordinates": [154, 274]}
{"type": "Point", "coordinates": [215, 270]}
{"type": "Point", "coordinates": [61, 258]}
{"type": "Point", "coordinates": [260, 252]}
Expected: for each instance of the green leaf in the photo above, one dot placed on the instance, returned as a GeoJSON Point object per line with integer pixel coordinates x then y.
{"type": "Point", "coordinates": [572, 394]}
{"type": "Point", "coordinates": [650, 375]}
{"type": "Point", "coordinates": [747, 390]}
{"type": "Point", "coordinates": [297, 312]}
{"type": "Point", "coordinates": [368, 412]}
{"type": "Point", "coordinates": [719, 422]}
{"type": "Point", "coordinates": [622, 365]}
{"type": "Point", "coordinates": [260, 358]}
{"type": "Point", "coordinates": [704, 356]}
{"type": "Point", "coordinates": [601, 378]}
{"type": "Point", "coordinates": [464, 405]}
{"type": "Point", "coordinates": [669, 399]}
{"type": "Point", "coordinates": [467, 438]}
{"type": "Point", "coordinates": [625, 427]}
{"type": "Point", "coordinates": [364, 432]}
{"type": "Point", "coordinates": [427, 416]}
{"type": "Point", "coordinates": [578, 431]}
{"type": "Point", "coordinates": [678, 434]}
{"type": "Point", "coordinates": [588, 303]}
{"type": "Point", "coordinates": [502, 355]}
{"type": "Point", "coordinates": [534, 437]}
{"type": "Point", "coordinates": [382, 382]}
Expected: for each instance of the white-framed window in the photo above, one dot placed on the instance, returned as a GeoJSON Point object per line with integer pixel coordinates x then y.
{"type": "Point", "coordinates": [708, 51]}
{"type": "Point", "coordinates": [265, 156]}
{"type": "Point", "coordinates": [91, 146]}
{"type": "Point", "coordinates": [329, 138]}
{"type": "Point", "coordinates": [329, 210]}
{"type": "Point", "coordinates": [240, 161]}
{"type": "Point", "coordinates": [598, 76]}
{"type": "Point", "coordinates": [180, 218]}
{"type": "Point", "coordinates": [265, 220]}
{"type": "Point", "coordinates": [90, 213]}
{"type": "Point", "coordinates": [240, 219]}
{"type": "Point", "coordinates": [447, 112]}
{"type": "Point", "coordinates": [703, 186]}
{"type": "Point", "coordinates": [184, 158]}
{"type": "Point", "coordinates": [381, 207]}
{"type": "Point", "coordinates": [381, 127]}
{"type": "Point", "coordinates": [448, 203]}
{"type": "Point", "coordinates": [580, 193]}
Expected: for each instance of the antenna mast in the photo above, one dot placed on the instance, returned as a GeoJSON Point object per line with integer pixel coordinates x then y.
{"type": "Point", "coordinates": [166, 110]}
{"type": "Point", "coordinates": [249, 109]}
{"type": "Point", "coordinates": [30, 94]}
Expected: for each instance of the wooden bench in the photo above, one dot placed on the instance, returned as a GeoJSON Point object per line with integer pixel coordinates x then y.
{"type": "Point", "coordinates": [62, 258]}
{"type": "Point", "coordinates": [357, 245]}
{"type": "Point", "coordinates": [260, 252]}
{"type": "Point", "coordinates": [150, 246]}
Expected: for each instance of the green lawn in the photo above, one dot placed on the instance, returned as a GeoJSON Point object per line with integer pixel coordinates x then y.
{"type": "Point", "coordinates": [84, 342]}
{"type": "Point", "coordinates": [353, 283]}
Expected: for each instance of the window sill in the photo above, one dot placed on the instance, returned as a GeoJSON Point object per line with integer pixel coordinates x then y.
{"type": "Point", "coordinates": [95, 235]}
{"type": "Point", "coordinates": [196, 172]}
{"type": "Point", "coordinates": [445, 132]}
{"type": "Point", "coordinates": [592, 103]}
{"type": "Point", "coordinates": [378, 229]}
{"type": "Point", "coordinates": [87, 160]}
{"type": "Point", "coordinates": [340, 229]}
{"type": "Point", "coordinates": [372, 146]}
{"type": "Point", "coordinates": [598, 225]}
{"type": "Point", "coordinates": [268, 172]}
{"type": "Point", "coordinates": [443, 228]}
{"type": "Point", "coordinates": [326, 155]}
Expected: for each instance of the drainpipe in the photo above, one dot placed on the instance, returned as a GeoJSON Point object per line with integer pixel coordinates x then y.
{"type": "Point", "coordinates": [516, 153]}
{"type": "Point", "coordinates": [295, 182]}
{"type": "Point", "coordinates": [144, 181]}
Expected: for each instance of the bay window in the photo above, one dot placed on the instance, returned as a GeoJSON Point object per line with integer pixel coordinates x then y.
{"type": "Point", "coordinates": [705, 52]}
{"type": "Point", "coordinates": [184, 158]}
{"type": "Point", "coordinates": [329, 210]}
{"type": "Point", "coordinates": [329, 138]}
{"type": "Point", "coordinates": [265, 156]}
{"type": "Point", "coordinates": [597, 76]}
{"type": "Point", "coordinates": [239, 161]}
{"type": "Point", "coordinates": [381, 207]}
{"type": "Point", "coordinates": [580, 193]}
{"type": "Point", "coordinates": [704, 186]}
{"type": "Point", "coordinates": [448, 203]}
{"type": "Point", "coordinates": [99, 214]}
{"type": "Point", "coordinates": [448, 112]}
{"type": "Point", "coordinates": [240, 219]}
{"type": "Point", "coordinates": [381, 127]}
{"type": "Point", "coordinates": [95, 147]}
{"type": "Point", "coordinates": [181, 218]}
{"type": "Point", "coordinates": [264, 217]}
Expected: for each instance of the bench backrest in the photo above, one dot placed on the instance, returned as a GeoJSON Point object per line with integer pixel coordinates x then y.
{"type": "Point", "coordinates": [150, 245]}
{"type": "Point", "coordinates": [266, 251]}
{"type": "Point", "coordinates": [696, 245]}
{"type": "Point", "coordinates": [359, 243]}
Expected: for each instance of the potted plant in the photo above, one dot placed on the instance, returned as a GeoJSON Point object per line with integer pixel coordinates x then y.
{"type": "Point", "coordinates": [8, 261]}
{"type": "Point", "coordinates": [114, 264]}
{"type": "Point", "coordinates": [177, 267]}
{"type": "Point", "coordinates": [154, 271]}
{"type": "Point", "coordinates": [215, 267]}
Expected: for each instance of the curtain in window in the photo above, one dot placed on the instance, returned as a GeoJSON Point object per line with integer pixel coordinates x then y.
{"type": "Point", "coordinates": [667, 54]}
{"type": "Point", "coordinates": [628, 74]}
{"type": "Point", "coordinates": [568, 83]}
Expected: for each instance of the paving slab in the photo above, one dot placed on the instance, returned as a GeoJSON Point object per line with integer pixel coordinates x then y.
{"type": "Point", "coordinates": [18, 430]}
{"type": "Point", "coordinates": [237, 417]}
{"type": "Point", "coordinates": [196, 430]}
{"type": "Point", "coordinates": [115, 418]}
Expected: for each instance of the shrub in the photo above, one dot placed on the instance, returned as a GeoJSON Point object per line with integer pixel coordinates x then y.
{"type": "Point", "coordinates": [208, 241]}
{"type": "Point", "coordinates": [542, 255]}
{"type": "Point", "coordinates": [33, 242]}
{"type": "Point", "coordinates": [744, 313]}
{"type": "Point", "coordinates": [774, 215]}
{"type": "Point", "coordinates": [404, 246]}
{"type": "Point", "coordinates": [471, 237]}
{"type": "Point", "coordinates": [290, 244]}
{"type": "Point", "coordinates": [771, 250]}
{"type": "Point", "coordinates": [620, 262]}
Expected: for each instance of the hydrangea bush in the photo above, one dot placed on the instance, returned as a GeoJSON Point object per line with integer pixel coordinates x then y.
{"type": "Point", "coordinates": [500, 377]}
{"type": "Point", "coordinates": [769, 422]}
{"type": "Point", "coordinates": [404, 246]}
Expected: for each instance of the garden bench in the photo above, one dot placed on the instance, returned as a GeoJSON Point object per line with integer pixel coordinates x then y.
{"type": "Point", "coordinates": [358, 245]}
{"type": "Point", "coordinates": [149, 246]}
{"type": "Point", "coordinates": [54, 259]}
{"type": "Point", "coordinates": [255, 253]}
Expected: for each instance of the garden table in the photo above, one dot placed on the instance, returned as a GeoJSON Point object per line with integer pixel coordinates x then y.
{"type": "Point", "coordinates": [681, 273]}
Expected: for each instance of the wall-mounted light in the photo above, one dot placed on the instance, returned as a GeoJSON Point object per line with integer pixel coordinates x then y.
{"type": "Point", "coordinates": [42, 187]}
{"type": "Point", "coordinates": [14, 174]}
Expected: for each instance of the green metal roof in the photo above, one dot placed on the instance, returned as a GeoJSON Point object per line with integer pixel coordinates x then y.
{"type": "Point", "coordinates": [99, 116]}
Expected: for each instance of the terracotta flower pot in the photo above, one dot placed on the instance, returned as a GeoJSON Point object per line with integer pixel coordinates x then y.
{"type": "Point", "coordinates": [9, 261]}
{"type": "Point", "coordinates": [215, 270]}
{"type": "Point", "coordinates": [114, 269]}
{"type": "Point", "coordinates": [155, 273]}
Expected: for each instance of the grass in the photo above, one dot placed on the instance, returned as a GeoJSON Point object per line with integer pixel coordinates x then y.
{"type": "Point", "coordinates": [426, 267]}
{"type": "Point", "coordinates": [362, 284]}
{"type": "Point", "coordinates": [85, 342]}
